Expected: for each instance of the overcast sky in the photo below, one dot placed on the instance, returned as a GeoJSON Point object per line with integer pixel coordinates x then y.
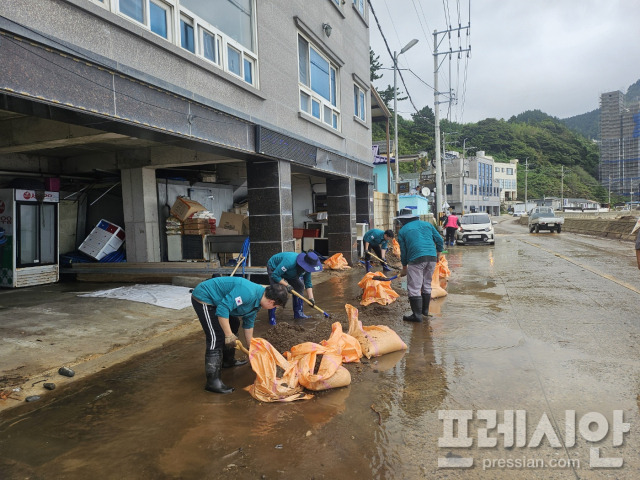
{"type": "Point", "coordinates": [557, 56]}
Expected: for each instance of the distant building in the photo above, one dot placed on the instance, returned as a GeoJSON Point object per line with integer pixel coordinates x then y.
{"type": "Point", "coordinates": [471, 185]}
{"type": "Point", "coordinates": [619, 144]}
{"type": "Point", "coordinates": [507, 176]}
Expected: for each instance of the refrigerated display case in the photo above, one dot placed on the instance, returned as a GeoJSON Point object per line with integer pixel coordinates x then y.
{"type": "Point", "coordinates": [29, 254]}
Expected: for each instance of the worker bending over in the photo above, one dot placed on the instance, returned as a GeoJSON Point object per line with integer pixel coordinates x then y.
{"type": "Point", "coordinates": [294, 270]}
{"type": "Point", "coordinates": [220, 304]}
{"type": "Point", "coordinates": [376, 240]}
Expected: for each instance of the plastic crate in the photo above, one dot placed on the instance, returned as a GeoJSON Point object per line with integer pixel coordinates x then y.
{"type": "Point", "coordinates": [104, 239]}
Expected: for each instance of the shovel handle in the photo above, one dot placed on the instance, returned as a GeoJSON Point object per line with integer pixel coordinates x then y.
{"type": "Point", "coordinates": [293, 292]}
{"type": "Point", "coordinates": [238, 263]}
{"type": "Point", "coordinates": [378, 258]}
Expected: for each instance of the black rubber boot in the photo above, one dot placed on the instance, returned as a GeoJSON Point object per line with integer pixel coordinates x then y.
{"type": "Point", "coordinates": [416, 310]}
{"type": "Point", "coordinates": [367, 265]}
{"type": "Point", "coordinates": [212, 367]}
{"type": "Point", "coordinates": [229, 358]}
{"type": "Point", "coordinates": [426, 299]}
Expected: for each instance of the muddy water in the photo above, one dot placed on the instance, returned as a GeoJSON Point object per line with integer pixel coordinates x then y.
{"type": "Point", "coordinates": [520, 329]}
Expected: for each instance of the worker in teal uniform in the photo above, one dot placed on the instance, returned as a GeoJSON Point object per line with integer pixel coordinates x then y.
{"type": "Point", "coordinates": [220, 304]}
{"type": "Point", "coordinates": [420, 247]}
{"type": "Point", "coordinates": [376, 240]}
{"type": "Point", "coordinates": [293, 270]}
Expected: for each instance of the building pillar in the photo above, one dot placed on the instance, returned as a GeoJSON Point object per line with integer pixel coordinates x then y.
{"type": "Point", "coordinates": [140, 205]}
{"type": "Point", "coordinates": [364, 204]}
{"type": "Point", "coordinates": [270, 209]}
{"type": "Point", "coordinates": [341, 227]}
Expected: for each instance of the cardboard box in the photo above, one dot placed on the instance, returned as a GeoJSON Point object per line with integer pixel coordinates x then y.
{"type": "Point", "coordinates": [184, 207]}
{"type": "Point", "coordinates": [239, 224]}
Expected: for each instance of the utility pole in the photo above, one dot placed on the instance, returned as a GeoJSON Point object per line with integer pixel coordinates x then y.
{"type": "Point", "coordinates": [609, 192]}
{"type": "Point", "coordinates": [526, 172]}
{"type": "Point", "coordinates": [436, 110]}
{"type": "Point", "coordinates": [562, 188]}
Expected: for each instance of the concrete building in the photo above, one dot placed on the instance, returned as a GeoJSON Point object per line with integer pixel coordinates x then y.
{"type": "Point", "coordinates": [619, 144]}
{"type": "Point", "coordinates": [507, 176]}
{"type": "Point", "coordinates": [139, 99]}
{"type": "Point", "coordinates": [471, 185]}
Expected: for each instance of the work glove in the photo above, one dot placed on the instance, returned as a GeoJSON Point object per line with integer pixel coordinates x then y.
{"type": "Point", "coordinates": [230, 340]}
{"type": "Point", "coordinates": [312, 302]}
{"type": "Point", "coordinates": [289, 289]}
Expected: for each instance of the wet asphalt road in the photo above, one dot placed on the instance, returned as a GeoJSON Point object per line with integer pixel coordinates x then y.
{"type": "Point", "coordinates": [540, 323]}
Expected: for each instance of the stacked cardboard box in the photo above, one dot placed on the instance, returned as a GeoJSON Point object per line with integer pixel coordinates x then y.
{"type": "Point", "coordinates": [184, 208]}
{"type": "Point", "coordinates": [199, 226]}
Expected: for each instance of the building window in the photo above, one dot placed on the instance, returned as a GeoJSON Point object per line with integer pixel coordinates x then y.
{"type": "Point", "coordinates": [186, 34]}
{"type": "Point", "coordinates": [220, 31]}
{"type": "Point", "coordinates": [497, 169]}
{"type": "Point", "coordinates": [359, 4]}
{"type": "Point", "coordinates": [509, 171]}
{"type": "Point", "coordinates": [359, 103]}
{"type": "Point", "coordinates": [317, 80]}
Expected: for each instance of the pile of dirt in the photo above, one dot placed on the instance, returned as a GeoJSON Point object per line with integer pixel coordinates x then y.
{"type": "Point", "coordinates": [284, 335]}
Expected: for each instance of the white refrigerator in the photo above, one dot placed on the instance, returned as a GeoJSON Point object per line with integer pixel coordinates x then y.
{"type": "Point", "coordinates": [29, 250]}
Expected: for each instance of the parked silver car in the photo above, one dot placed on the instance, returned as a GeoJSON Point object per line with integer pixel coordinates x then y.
{"type": "Point", "coordinates": [476, 228]}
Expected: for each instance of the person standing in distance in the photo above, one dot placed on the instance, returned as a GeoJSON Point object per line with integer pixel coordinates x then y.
{"type": "Point", "coordinates": [220, 304]}
{"type": "Point", "coordinates": [451, 226]}
{"type": "Point", "coordinates": [376, 240]}
{"type": "Point", "coordinates": [420, 247]}
{"type": "Point", "coordinates": [293, 270]}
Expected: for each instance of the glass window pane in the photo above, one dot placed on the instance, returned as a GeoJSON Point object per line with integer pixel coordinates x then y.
{"type": "Point", "coordinates": [304, 102]}
{"type": "Point", "coordinates": [335, 121]}
{"type": "Point", "coordinates": [315, 108]}
{"type": "Point", "coordinates": [232, 17]}
{"type": "Point", "coordinates": [158, 17]}
{"type": "Point", "coordinates": [362, 106]}
{"type": "Point", "coordinates": [133, 9]}
{"type": "Point", "coordinates": [356, 92]}
{"type": "Point", "coordinates": [248, 71]}
{"type": "Point", "coordinates": [209, 47]}
{"type": "Point", "coordinates": [327, 115]}
{"type": "Point", "coordinates": [233, 58]}
{"type": "Point", "coordinates": [333, 87]}
{"type": "Point", "coordinates": [319, 75]}
{"type": "Point", "coordinates": [303, 61]}
{"type": "Point", "coordinates": [186, 36]}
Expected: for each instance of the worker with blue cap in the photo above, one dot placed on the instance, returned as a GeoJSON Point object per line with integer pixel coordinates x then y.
{"type": "Point", "coordinates": [293, 270]}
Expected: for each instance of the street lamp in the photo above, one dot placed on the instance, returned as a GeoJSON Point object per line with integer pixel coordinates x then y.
{"type": "Point", "coordinates": [395, 111]}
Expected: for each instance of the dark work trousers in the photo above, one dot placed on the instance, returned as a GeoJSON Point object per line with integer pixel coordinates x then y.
{"type": "Point", "coordinates": [376, 249]}
{"type": "Point", "coordinates": [450, 235]}
{"type": "Point", "coordinates": [297, 284]}
{"type": "Point", "coordinates": [211, 326]}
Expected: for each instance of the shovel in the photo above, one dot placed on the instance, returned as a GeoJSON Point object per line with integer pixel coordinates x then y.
{"type": "Point", "coordinates": [380, 278]}
{"type": "Point", "coordinates": [379, 259]}
{"type": "Point", "coordinates": [293, 292]}
{"type": "Point", "coordinates": [238, 263]}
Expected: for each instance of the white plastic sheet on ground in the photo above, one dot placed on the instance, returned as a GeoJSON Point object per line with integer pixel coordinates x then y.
{"type": "Point", "coordinates": [167, 296]}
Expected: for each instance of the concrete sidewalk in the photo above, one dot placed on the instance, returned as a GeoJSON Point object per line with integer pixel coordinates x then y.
{"type": "Point", "coordinates": [46, 327]}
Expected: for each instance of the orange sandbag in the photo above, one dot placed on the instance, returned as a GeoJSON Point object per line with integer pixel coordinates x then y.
{"type": "Point", "coordinates": [268, 387]}
{"type": "Point", "coordinates": [376, 291]}
{"type": "Point", "coordinates": [440, 277]}
{"type": "Point", "coordinates": [344, 343]}
{"type": "Point", "coordinates": [330, 374]}
{"type": "Point", "coordinates": [336, 262]}
{"type": "Point", "coordinates": [375, 340]}
{"type": "Point", "coordinates": [395, 247]}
